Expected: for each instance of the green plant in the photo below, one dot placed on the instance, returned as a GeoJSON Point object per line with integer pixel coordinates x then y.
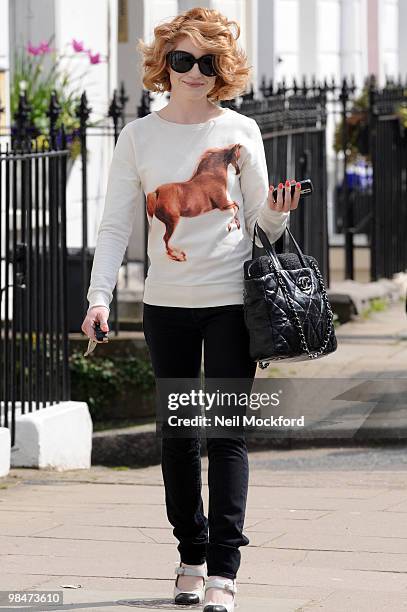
{"type": "Point", "coordinates": [356, 129]}
{"type": "Point", "coordinates": [101, 382]}
{"type": "Point", "coordinates": [31, 76]}
{"type": "Point", "coordinates": [378, 304]}
{"type": "Point", "coordinates": [402, 113]}
{"type": "Point", "coordinates": [375, 305]}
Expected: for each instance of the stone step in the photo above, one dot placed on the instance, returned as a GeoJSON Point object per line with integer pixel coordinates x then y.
{"type": "Point", "coordinates": [349, 298]}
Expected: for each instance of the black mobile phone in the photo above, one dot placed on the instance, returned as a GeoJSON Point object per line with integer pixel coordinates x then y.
{"type": "Point", "coordinates": [306, 189]}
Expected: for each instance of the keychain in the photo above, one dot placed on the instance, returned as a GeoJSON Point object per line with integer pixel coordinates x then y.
{"type": "Point", "coordinates": [100, 335]}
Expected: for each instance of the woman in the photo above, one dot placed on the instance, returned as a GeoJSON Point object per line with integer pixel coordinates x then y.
{"type": "Point", "coordinates": [203, 171]}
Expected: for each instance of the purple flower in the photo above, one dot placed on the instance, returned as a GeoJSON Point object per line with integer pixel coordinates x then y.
{"type": "Point", "coordinates": [44, 47]}
{"type": "Point", "coordinates": [94, 59]}
{"type": "Point", "coordinates": [33, 50]}
{"type": "Point", "coordinates": [77, 45]}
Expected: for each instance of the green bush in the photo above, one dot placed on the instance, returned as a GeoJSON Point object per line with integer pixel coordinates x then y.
{"type": "Point", "coordinates": [375, 305]}
{"type": "Point", "coordinates": [102, 382]}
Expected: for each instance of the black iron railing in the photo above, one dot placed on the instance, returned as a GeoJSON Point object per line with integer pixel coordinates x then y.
{"type": "Point", "coordinates": [388, 147]}
{"type": "Point", "coordinates": [34, 338]}
{"type": "Point", "coordinates": [368, 137]}
{"type": "Point", "coordinates": [293, 129]}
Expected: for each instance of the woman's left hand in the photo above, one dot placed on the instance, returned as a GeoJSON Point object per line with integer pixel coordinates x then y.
{"type": "Point", "coordinates": [284, 201]}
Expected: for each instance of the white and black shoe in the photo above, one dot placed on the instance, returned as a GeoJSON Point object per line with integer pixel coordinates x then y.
{"type": "Point", "coordinates": [189, 597]}
{"type": "Point", "coordinates": [217, 583]}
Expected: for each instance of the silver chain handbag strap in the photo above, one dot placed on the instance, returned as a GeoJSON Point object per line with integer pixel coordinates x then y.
{"type": "Point", "coordinates": [274, 265]}
{"type": "Point", "coordinates": [297, 322]}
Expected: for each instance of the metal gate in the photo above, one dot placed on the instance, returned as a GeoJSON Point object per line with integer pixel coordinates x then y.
{"type": "Point", "coordinates": [34, 339]}
{"type": "Point", "coordinates": [294, 136]}
{"type": "Point", "coordinates": [389, 159]}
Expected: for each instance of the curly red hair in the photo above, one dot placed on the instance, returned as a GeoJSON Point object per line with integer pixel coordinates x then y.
{"type": "Point", "coordinates": [210, 30]}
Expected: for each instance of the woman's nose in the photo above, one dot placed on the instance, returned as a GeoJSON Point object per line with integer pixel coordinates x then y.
{"type": "Point", "coordinates": [195, 71]}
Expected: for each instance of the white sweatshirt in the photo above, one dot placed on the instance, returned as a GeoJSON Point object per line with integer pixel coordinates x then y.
{"type": "Point", "coordinates": [205, 184]}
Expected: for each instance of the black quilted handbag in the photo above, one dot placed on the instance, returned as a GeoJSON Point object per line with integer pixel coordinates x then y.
{"type": "Point", "coordinates": [286, 308]}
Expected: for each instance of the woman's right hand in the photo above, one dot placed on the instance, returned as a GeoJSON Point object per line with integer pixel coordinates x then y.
{"type": "Point", "coordinates": [96, 314]}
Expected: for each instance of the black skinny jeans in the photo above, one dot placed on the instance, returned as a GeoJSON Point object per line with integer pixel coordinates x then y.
{"type": "Point", "coordinates": [174, 337]}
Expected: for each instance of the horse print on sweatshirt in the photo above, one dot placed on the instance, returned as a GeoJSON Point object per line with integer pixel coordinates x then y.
{"type": "Point", "coordinates": [206, 190]}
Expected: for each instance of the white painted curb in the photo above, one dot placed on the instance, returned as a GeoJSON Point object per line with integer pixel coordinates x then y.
{"type": "Point", "coordinates": [5, 444]}
{"type": "Point", "coordinates": [56, 437]}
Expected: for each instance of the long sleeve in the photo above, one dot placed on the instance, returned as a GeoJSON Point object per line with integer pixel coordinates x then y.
{"type": "Point", "coordinates": [254, 183]}
{"type": "Point", "coordinates": [123, 195]}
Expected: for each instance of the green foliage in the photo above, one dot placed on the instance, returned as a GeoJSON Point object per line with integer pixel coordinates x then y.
{"type": "Point", "coordinates": [378, 305]}
{"type": "Point", "coordinates": [101, 382]}
{"type": "Point", "coordinates": [402, 114]}
{"type": "Point", "coordinates": [375, 305]}
{"type": "Point", "coordinates": [356, 128]}
{"type": "Point", "coordinates": [30, 74]}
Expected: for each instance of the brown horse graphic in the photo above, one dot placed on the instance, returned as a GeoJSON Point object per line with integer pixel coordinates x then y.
{"type": "Point", "coordinates": [203, 192]}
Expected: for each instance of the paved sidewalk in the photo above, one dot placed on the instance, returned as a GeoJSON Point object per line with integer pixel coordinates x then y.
{"type": "Point", "coordinates": [327, 527]}
{"type": "Point", "coordinates": [373, 347]}
{"type": "Point", "coordinates": [327, 530]}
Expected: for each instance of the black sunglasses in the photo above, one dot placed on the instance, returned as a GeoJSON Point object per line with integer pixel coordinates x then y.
{"type": "Point", "coordinates": [182, 61]}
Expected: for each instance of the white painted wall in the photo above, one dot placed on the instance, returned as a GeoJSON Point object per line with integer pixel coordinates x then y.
{"type": "Point", "coordinates": [233, 9]}
{"type": "Point", "coordinates": [31, 20]}
{"type": "Point", "coordinates": [185, 5]}
{"type": "Point", "coordinates": [308, 41]}
{"type": "Point", "coordinates": [266, 56]}
{"type": "Point", "coordinates": [328, 38]}
{"type": "Point", "coordinates": [241, 11]}
{"type": "Point", "coordinates": [127, 57]}
{"type": "Point", "coordinates": [72, 19]}
{"type": "Point", "coordinates": [4, 38]}
{"type": "Point", "coordinates": [363, 42]}
{"type": "Point", "coordinates": [388, 38]}
{"type": "Point", "coordinates": [286, 32]}
{"type": "Point", "coordinates": [402, 21]}
{"type": "Point", "coordinates": [250, 38]}
{"type": "Point", "coordinates": [5, 61]}
{"type": "Point", "coordinates": [352, 25]}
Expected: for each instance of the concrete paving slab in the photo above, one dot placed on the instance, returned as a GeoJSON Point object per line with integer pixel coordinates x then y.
{"type": "Point", "coordinates": [342, 543]}
{"type": "Point", "coordinates": [383, 562]}
{"type": "Point", "coordinates": [352, 601]}
{"type": "Point", "coordinates": [319, 538]}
